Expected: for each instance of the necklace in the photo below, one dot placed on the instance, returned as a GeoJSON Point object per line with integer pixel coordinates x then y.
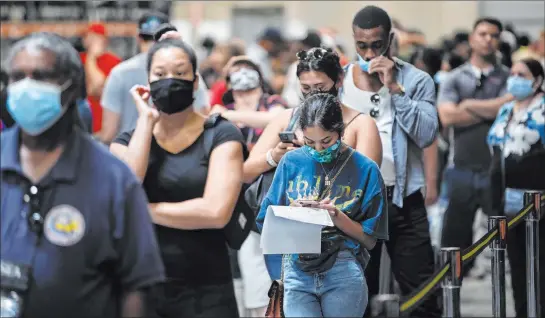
{"type": "Point", "coordinates": [327, 180]}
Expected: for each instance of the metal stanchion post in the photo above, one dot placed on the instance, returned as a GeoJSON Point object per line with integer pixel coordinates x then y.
{"type": "Point", "coordinates": [385, 306]}
{"type": "Point", "coordinates": [498, 247]}
{"type": "Point", "coordinates": [532, 252]}
{"type": "Point", "coordinates": [452, 282]}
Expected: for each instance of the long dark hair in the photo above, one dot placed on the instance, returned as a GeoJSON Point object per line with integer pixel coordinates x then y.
{"type": "Point", "coordinates": [170, 42]}
{"type": "Point", "coordinates": [537, 71]}
{"type": "Point", "coordinates": [322, 110]}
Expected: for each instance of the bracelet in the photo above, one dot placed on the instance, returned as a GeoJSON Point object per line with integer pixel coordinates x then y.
{"type": "Point", "coordinates": [270, 159]}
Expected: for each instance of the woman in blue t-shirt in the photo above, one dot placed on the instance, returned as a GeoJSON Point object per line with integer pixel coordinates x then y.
{"type": "Point", "coordinates": [517, 139]}
{"type": "Point", "coordinates": [326, 173]}
{"type": "Point", "coordinates": [318, 70]}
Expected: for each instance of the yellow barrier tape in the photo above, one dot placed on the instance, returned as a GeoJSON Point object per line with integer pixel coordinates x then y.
{"type": "Point", "coordinates": [421, 294]}
{"type": "Point", "coordinates": [474, 250]}
{"type": "Point", "coordinates": [424, 290]}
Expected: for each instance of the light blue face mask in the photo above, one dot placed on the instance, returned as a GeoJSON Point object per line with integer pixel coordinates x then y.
{"type": "Point", "coordinates": [519, 87]}
{"type": "Point", "coordinates": [35, 105]}
{"type": "Point", "coordinates": [327, 155]}
{"type": "Point", "coordinates": [364, 65]}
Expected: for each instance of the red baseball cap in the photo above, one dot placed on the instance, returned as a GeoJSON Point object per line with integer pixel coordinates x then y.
{"type": "Point", "coordinates": [97, 28]}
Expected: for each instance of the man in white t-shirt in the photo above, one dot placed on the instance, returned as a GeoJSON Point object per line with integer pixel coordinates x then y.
{"type": "Point", "coordinates": [401, 99]}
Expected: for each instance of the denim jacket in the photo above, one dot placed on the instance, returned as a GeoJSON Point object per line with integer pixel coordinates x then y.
{"type": "Point", "coordinates": [414, 128]}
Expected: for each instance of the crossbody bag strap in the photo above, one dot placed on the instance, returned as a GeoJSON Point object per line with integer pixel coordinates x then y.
{"type": "Point", "coordinates": [293, 119]}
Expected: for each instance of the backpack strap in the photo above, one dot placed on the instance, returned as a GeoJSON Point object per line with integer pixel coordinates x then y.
{"type": "Point", "coordinates": [210, 123]}
{"type": "Point", "coordinates": [293, 119]}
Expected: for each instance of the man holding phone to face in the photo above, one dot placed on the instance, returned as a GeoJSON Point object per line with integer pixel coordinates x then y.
{"type": "Point", "coordinates": [401, 99]}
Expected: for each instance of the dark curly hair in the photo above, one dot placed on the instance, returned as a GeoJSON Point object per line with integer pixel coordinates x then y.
{"type": "Point", "coordinates": [320, 60]}
{"type": "Point", "coordinates": [322, 110]}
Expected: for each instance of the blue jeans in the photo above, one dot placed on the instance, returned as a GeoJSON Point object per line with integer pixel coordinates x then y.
{"type": "Point", "coordinates": [514, 201]}
{"type": "Point", "coordinates": [274, 265]}
{"type": "Point", "coordinates": [338, 292]}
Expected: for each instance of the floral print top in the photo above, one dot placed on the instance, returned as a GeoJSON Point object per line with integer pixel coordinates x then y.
{"type": "Point", "coordinates": [521, 132]}
{"type": "Point", "coordinates": [517, 139]}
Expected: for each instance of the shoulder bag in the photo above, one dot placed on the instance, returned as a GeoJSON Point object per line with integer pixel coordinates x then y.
{"type": "Point", "coordinates": [243, 219]}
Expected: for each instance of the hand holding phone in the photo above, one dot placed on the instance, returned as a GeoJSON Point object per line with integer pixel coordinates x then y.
{"type": "Point", "coordinates": [287, 137]}
{"type": "Point", "coordinates": [308, 203]}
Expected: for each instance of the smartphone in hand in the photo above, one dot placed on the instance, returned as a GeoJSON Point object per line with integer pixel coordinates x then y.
{"type": "Point", "coordinates": [287, 137]}
{"type": "Point", "coordinates": [308, 203]}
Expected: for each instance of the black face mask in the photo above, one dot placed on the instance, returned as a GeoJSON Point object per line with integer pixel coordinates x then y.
{"type": "Point", "coordinates": [227, 98]}
{"type": "Point", "coordinates": [332, 91]}
{"type": "Point", "coordinates": [172, 95]}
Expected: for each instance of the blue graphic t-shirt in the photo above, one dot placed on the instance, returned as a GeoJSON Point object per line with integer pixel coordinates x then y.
{"type": "Point", "coordinates": [357, 191]}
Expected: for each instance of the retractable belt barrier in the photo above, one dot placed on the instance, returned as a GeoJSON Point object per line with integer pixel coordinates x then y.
{"type": "Point", "coordinates": [411, 301]}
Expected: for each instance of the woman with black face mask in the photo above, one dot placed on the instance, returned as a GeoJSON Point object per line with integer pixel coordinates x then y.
{"type": "Point", "coordinates": [191, 168]}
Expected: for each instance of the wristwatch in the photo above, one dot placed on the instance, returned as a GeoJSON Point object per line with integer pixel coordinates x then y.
{"type": "Point", "coordinates": [270, 159]}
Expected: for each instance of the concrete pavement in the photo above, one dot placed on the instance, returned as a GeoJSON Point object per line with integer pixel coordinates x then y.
{"type": "Point", "coordinates": [476, 297]}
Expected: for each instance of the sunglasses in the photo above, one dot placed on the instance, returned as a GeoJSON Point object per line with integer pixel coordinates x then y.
{"type": "Point", "coordinates": [375, 100]}
{"type": "Point", "coordinates": [306, 55]}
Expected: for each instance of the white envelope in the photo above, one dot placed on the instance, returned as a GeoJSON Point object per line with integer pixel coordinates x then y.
{"type": "Point", "coordinates": [293, 230]}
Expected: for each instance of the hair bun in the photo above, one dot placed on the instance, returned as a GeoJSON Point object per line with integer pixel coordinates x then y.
{"type": "Point", "coordinates": [301, 54]}
{"type": "Point", "coordinates": [162, 29]}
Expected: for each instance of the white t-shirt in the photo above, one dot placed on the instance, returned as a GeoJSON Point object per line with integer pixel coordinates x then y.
{"type": "Point", "coordinates": [379, 106]}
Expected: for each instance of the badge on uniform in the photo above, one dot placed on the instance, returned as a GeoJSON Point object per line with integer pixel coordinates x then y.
{"type": "Point", "coordinates": [64, 225]}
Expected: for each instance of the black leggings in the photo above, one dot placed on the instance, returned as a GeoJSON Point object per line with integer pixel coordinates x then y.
{"type": "Point", "coordinates": [516, 253]}
{"type": "Point", "coordinates": [174, 300]}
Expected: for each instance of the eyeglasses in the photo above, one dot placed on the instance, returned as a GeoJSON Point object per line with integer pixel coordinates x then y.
{"type": "Point", "coordinates": [34, 217]}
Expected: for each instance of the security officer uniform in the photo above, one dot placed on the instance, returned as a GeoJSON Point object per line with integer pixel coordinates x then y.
{"type": "Point", "coordinates": [84, 229]}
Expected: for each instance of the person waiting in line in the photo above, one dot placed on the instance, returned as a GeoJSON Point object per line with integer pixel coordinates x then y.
{"type": "Point", "coordinates": [252, 108]}
{"type": "Point", "coordinates": [71, 212]}
{"type": "Point", "coordinates": [192, 181]}
{"type": "Point", "coordinates": [517, 139]}
{"type": "Point", "coordinates": [318, 70]}
{"type": "Point", "coordinates": [429, 61]}
{"type": "Point", "coordinates": [401, 99]}
{"type": "Point", "coordinates": [468, 101]}
{"type": "Point", "coordinates": [332, 283]}
{"type": "Point", "coordinates": [120, 113]}
{"type": "Point", "coordinates": [98, 65]}
{"type": "Point", "coordinates": [291, 91]}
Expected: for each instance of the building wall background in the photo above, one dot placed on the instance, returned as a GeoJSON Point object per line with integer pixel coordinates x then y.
{"type": "Point", "coordinates": [225, 19]}
{"type": "Point", "coordinates": [434, 18]}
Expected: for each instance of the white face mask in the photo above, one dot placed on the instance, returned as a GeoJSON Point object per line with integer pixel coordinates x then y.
{"type": "Point", "coordinates": [244, 79]}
